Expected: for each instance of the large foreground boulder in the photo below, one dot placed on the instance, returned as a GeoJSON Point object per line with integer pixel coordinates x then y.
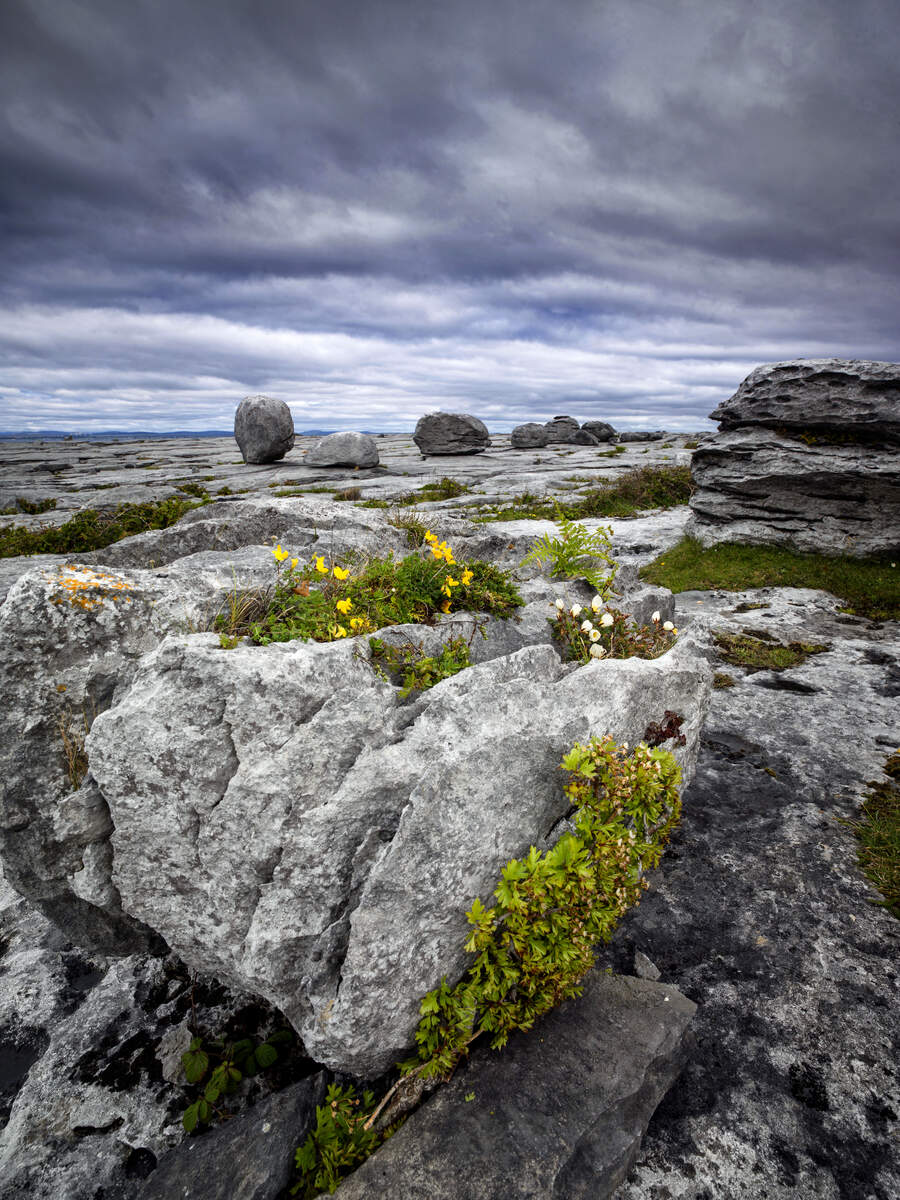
{"type": "Point", "coordinates": [451, 433]}
{"type": "Point", "coordinates": [263, 429]}
{"type": "Point", "coordinates": [289, 827]}
{"type": "Point", "coordinates": [807, 456]}
{"type": "Point", "coordinates": [343, 450]}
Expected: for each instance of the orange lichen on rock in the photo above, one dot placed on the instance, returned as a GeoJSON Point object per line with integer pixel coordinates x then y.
{"type": "Point", "coordinates": [86, 588]}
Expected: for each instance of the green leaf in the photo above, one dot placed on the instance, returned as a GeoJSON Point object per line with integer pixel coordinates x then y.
{"type": "Point", "coordinates": [266, 1055]}
{"type": "Point", "coordinates": [191, 1117]}
{"type": "Point", "coordinates": [196, 1064]}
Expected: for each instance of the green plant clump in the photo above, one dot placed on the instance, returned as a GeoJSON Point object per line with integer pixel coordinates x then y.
{"type": "Point", "coordinates": [577, 554]}
{"type": "Point", "coordinates": [443, 489]}
{"type": "Point", "coordinates": [93, 529]}
{"type": "Point", "coordinates": [584, 634]}
{"type": "Point", "coordinates": [878, 834]}
{"type": "Point", "coordinates": [322, 603]}
{"type": "Point", "coordinates": [630, 493]}
{"type": "Point", "coordinates": [533, 946]}
{"type": "Point", "coordinates": [416, 671]}
{"type": "Point", "coordinates": [869, 587]}
{"type": "Point", "coordinates": [225, 1064]}
{"type": "Point", "coordinates": [340, 1141]}
{"type": "Point", "coordinates": [763, 654]}
{"type": "Point", "coordinates": [32, 507]}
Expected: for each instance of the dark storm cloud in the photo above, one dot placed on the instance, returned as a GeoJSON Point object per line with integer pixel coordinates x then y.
{"type": "Point", "coordinates": [384, 208]}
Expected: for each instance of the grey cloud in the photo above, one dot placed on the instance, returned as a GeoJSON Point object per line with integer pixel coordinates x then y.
{"type": "Point", "coordinates": [623, 184]}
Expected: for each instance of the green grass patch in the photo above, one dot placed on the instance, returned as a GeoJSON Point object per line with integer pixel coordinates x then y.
{"type": "Point", "coordinates": [93, 529]}
{"type": "Point", "coordinates": [763, 653]}
{"type": "Point", "coordinates": [878, 834]}
{"type": "Point", "coordinates": [374, 503]}
{"type": "Point", "coordinates": [443, 489]}
{"type": "Point", "coordinates": [868, 587]}
{"type": "Point", "coordinates": [632, 492]}
{"type": "Point", "coordinates": [721, 679]}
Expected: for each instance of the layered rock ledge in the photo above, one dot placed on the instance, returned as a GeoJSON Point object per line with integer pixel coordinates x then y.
{"type": "Point", "coordinates": [808, 457]}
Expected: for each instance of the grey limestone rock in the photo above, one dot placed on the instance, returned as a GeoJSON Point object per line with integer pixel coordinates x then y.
{"type": "Point", "coordinates": [343, 450]}
{"type": "Point", "coordinates": [561, 429]}
{"type": "Point", "coordinates": [291, 829]}
{"type": "Point", "coordinates": [451, 433]}
{"type": "Point", "coordinates": [584, 437]}
{"type": "Point", "coordinates": [250, 1157]}
{"type": "Point", "coordinates": [808, 456]}
{"type": "Point", "coordinates": [263, 429]}
{"type": "Point", "coordinates": [561, 1112]}
{"type": "Point", "coordinates": [847, 396]}
{"type": "Point", "coordinates": [640, 435]}
{"type": "Point", "coordinates": [601, 430]}
{"type": "Point", "coordinates": [529, 436]}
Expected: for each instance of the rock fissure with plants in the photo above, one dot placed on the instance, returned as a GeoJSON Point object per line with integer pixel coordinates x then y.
{"type": "Point", "coordinates": [532, 947]}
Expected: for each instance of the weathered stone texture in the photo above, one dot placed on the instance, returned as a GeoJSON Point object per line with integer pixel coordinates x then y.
{"type": "Point", "coordinates": [451, 433]}
{"type": "Point", "coordinates": [561, 429]}
{"type": "Point", "coordinates": [263, 429]}
{"type": "Point", "coordinates": [601, 430]}
{"type": "Point", "coordinates": [808, 456]}
{"type": "Point", "coordinates": [529, 436]}
{"type": "Point", "coordinates": [560, 1113]}
{"type": "Point", "coordinates": [290, 829]}
{"type": "Point", "coordinates": [343, 450]}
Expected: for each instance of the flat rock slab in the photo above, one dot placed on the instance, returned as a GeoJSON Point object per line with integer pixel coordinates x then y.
{"type": "Point", "coordinates": [249, 1157]}
{"type": "Point", "coordinates": [559, 1113]}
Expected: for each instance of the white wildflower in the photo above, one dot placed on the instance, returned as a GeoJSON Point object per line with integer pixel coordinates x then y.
{"type": "Point", "coordinates": [586, 627]}
{"type": "Point", "coordinates": [606, 620]}
{"type": "Point", "coordinates": [668, 626]}
{"type": "Point", "coordinates": [595, 636]}
{"type": "Point", "coordinates": [597, 651]}
{"type": "Point", "coordinates": [560, 604]}
{"type": "Point", "coordinates": [596, 604]}
{"type": "Point", "coordinates": [654, 616]}
{"type": "Point", "coordinates": [575, 610]}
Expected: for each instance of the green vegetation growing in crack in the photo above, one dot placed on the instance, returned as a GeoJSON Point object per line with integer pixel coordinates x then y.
{"type": "Point", "coordinates": [878, 834]}
{"type": "Point", "coordinates": [632, 492]}
{"type": "Point", "coordinates": [324, 601]}
{"type": "Point", "coordinates": [721, 679]}
{"type": "Point", "coordinates": [578, 553]}
{"type": "Point", "coordinates": [443, 489]}
{"type": "Point", "coordinates": [757, 652]}
{"type": "Point", "coordinates": [92, 529]}
{"type": "Point", "coordinates": [412, 670]}
{"type": "Point", "coordinates": [531, 947]}
{"type": "Point", "coordinates": [868, 587]}
{"type": "Point", "coordinates": [32, 507]}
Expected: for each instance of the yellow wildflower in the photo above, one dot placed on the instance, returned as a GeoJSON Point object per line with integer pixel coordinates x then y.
{"type": "Point", "coordinates": [280, 554]}
{"type": "Point", "coordinates": [340, 631]}
{"type": "Point", "coordinates": [320, 565]}
{"type": "Point", "coordinates": [294, 562]}
{"type": "Point", "coordinates": [340, 572]}
{"type": "Point", "coordinates": [445, 607]}
{"type": "Point", "coordinates": [449, 583]}
{"type": "Point", "coordinates": [344, 606]}
{"type": "Point", "coordinates": [429, 537]}
{"type": "Point", "coordinates": [467, 577]}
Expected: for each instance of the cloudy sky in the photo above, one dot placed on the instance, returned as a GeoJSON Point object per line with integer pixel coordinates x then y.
{"type": "Point", "coordinates": [376, 209]}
